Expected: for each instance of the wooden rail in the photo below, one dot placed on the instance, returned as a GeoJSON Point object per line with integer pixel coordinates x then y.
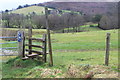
{"type": "Point", "coordinates": [39, 39]}
{"type": "Point", "coordinates": [8, 37]}
{"type": "Point", "coordinates": [34, 46]}
{"type": "Point", "coordinates": [38, 52]}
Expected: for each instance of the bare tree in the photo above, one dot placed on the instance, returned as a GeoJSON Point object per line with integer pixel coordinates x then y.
{"type": "Point", "coordinates": [17, 20]}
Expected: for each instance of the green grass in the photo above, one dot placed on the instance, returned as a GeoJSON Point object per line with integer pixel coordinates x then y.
{"type": "Point", "coordinates": [36, 9]}
{"type": "Point", "coordinates": [93, 57]}
{"type": "Point", "coordinates": [84, 28]}
{"type": "Point", "coordinates": [84, 40]}
{"type": "Point", "coordinates": [72, 48]}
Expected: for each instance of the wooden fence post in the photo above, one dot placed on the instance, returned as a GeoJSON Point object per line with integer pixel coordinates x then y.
{"type": "Point", "coordinates": [21, 43]}
{"type": "Point", "coordinates": [49, 38]}
{"type": "Point", "coordinates": [29, 39]}
{"type": "Point", "coordinates": [44, 48]}
{"type": "Point", "coordinates": [107, 49]}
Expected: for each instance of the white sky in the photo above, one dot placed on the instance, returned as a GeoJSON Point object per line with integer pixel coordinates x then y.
{"type": "Point", "coordinates": [13, 4]}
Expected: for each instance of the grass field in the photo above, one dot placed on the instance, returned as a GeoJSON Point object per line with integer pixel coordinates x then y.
{"type": "Point", "coordinates": [40, 10]}
{"type": "Point", "coordinates": [37, 9]}
{"type": "Point", "coordinates": [83, 48]}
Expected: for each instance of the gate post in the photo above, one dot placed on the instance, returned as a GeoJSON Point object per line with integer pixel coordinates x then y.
{"type": "Point", "coordinates": [44, 48]}
{"type": "Point", "coordinates": [29, 39]}
{"type": "Point", "coordinates": [21, 43]}
{"type": "Point", "coordinates": [107, 49]}
{"type": "Point", "coordinates": [49, 37]}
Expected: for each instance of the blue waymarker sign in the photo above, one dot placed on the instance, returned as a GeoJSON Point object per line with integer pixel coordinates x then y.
{"type": "Point", "coordinates": [19, 37]}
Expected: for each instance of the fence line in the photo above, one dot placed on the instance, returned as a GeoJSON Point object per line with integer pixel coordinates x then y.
{"type": "Point", "coordinates": [8, 55]}
{"type": "Point", "coordinates": [7, 37]}
{"type": "Point", "coordinates": [9, 48]}
{"type": "Point", "coordinates": [92, 45]}
{"type": "Point", "coordinates": [4, 37]}
{"type": "Point", "coordinates": [9, 43]}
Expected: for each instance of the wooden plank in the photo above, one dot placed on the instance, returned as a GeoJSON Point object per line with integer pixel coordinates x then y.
{"type": "Point", "coordinates": [107, 49]}
{"type": "Point", "coordinates": [49, 38]}
{"type": "Point", "coordinates": [9, 37]}
{"type": "Point", "coordinates": [34, 46]}
{"type": "Point", "coordinates": [9, 55]}
{"type": "Point", "coordinates": [38, 52]}
{"type": "Point", "coordinates": [39, 39]}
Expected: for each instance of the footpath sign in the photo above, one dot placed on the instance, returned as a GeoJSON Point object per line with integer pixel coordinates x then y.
{"type": "Point", "coordinates": [19, 36]}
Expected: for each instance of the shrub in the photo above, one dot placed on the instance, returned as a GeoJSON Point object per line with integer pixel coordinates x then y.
{"type": "Point", "coordinates": [109, 22]}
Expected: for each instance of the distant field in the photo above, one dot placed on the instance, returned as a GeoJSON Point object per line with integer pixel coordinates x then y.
{"type": "Point", "coordinates": [37, 9]}
{"type": "Point", "coordinates": [84, 28]}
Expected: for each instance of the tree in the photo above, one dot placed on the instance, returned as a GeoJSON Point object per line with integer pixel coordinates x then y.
{"type": "Point", "coordinates": [6, 11]}
{"type": "Point", "coordinates": [96, 18]}
{"type": "Point", "coordinates": [26, 5]}
{"type": "Point", "coordinates": [17, 20]}
{"type": "Point", "coordinates": [19, 7]}
{"type": "Point", "coordinates": [108, 22]}
{"type": "Point", "coordinates": [6, 19]}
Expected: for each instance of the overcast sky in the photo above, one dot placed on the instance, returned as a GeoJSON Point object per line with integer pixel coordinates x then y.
{"type": "Point", "coordinates": [12, 4]}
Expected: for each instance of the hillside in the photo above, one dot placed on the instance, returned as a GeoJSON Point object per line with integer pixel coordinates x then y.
{"type": "Point", "coordinates": [85, 7]}
{"type": "Point", "coordinates": [36, 9]}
